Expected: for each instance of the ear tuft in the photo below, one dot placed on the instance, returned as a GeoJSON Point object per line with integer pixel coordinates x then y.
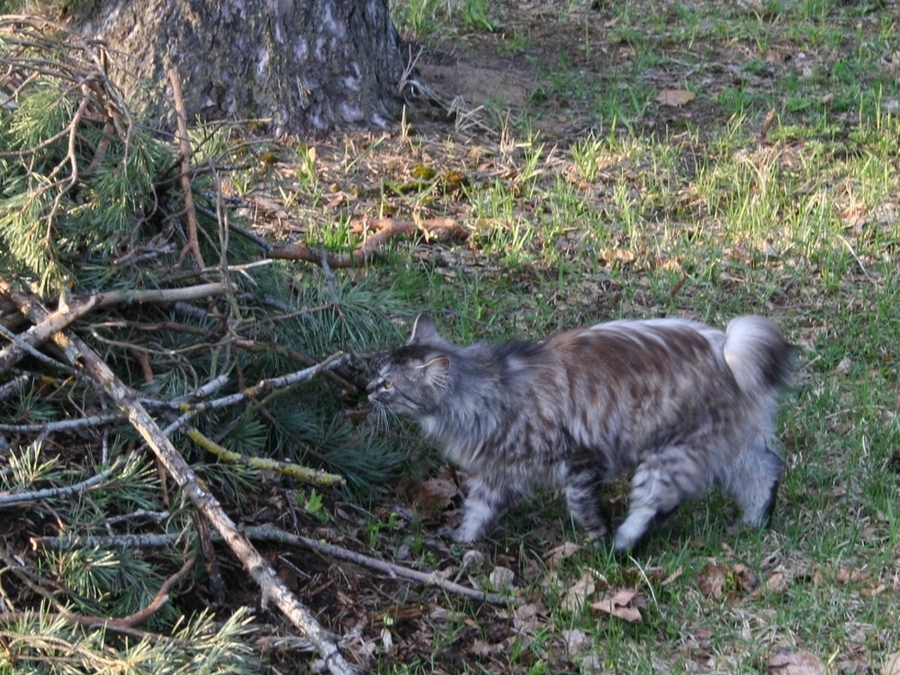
{"type": "Point", "coordinates": [436, 370]}
{"type": "Point", "coordinates": [424, 331]}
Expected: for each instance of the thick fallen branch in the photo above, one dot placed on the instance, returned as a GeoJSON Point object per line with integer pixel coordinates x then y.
{"type": "Point", "coordinates": [383, 228]}
{"type": "Point", "coordinates": [40, 332]}
{"type": "Point", "coordinates": [275, 591]}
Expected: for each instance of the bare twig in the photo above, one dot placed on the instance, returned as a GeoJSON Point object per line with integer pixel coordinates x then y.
{"type": "Point", "coordinates": [271, 533]}
{"type": "Point", "coordinates": [62, 425]}
{"type": "Point", "coordinates": [68, 313]}
{"type": "Point", "coordinates": [251, 345]}
{"type": "Point", "coordinates": [252, 392]}
{"type": "Point", "coordinates": [193, 244]}
{"type": "Point", "coordinates": [139, 513]}
{"type": "Point", "coordinates": [167, 295]}
{"type": "Point", "coordinates": [40, 332]}
{"type": "Point", "coordinates": [160, 599]}
{"type": "Point", "coordinates": [114, 541]}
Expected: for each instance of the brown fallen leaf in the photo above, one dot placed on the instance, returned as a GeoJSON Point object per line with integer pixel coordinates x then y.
{"type": "Point", "coordinates": [621, 605]}
{"type": "Point", "coordinates": [580, 591]}
{"type": "Point", "coordinates": [434, 495]}
{"type": "Point", "coordinates": [891, 664]}
{"type": "Point", "coordinates": [744, 578]}
{"type": "Point", "coordinates": [560, 553]}
{"type": "Point", "coordinates": [527, 619]}
{"type": "Point", "coordinates": [622, 255]}
{"type": "Point", "coordinates": [675, 97]}
{"type": "Point", "coordinates": [712, 579]}
{"type": "Point", "coordinates": [795, 663]}
{"type": "Point", "coordinates": [776, 583]}
{"type": "Point", "coordinates": [501, 578]}
{"type": "Point", "coordinates": [719, 581]}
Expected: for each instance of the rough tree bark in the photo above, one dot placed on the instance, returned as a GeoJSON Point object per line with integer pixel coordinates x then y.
{"type": "Point", "coordinates": [307, 65]}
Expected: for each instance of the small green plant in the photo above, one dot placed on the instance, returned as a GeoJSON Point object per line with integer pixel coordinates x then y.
{"type": "Point", "coordinates": [375, 528]}
{"type": "Point", "coordinates": [305, 165]}
{"type": "Point", "coordinates": [476, 14]}
{"type": "Point", "coordinates": [312, 503]}
{"type": "Point", "coordinates": [587, 156]}
{"type": "Point", "coordinates": [419, 18]}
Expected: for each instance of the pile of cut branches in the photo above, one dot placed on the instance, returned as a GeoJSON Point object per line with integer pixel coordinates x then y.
{"type": "Point", "coordinates": [156, 368]}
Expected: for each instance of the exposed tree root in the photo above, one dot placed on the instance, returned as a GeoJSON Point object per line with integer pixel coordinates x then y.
{"type": "Point", "coordinates": [383, 229]}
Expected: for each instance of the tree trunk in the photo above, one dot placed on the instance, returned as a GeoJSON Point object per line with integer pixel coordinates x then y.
{"type": "Point", "coordinates": [305, 65]}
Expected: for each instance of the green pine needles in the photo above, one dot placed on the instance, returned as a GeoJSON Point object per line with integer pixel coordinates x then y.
{"type": "Point", "coordinates": [78, 178]}
{"type": "Point", "coordinates": [92, 204]}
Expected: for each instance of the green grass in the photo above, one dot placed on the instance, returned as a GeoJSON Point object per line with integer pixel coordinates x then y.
{"type": "Point", "coordinates": [638, 210]}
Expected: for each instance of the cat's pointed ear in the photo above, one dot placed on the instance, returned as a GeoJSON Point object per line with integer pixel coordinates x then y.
{"type": "Point", "coordinates": [424, 331]}
{"type": "Point", "coordinates": [436, 370]}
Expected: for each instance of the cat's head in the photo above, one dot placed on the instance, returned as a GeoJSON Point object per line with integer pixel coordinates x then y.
{"type": "Point", "coordinates": [412, 379]}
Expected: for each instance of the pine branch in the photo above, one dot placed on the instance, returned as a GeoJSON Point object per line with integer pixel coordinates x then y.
{"type": "Point", "coordinates": [304, 473]}
{"type": "Point", "coordinates": [50, 493]}
{"type": "Point", "coordinates": [192, 410]}
{"type": "Point", "coordinates": [273, 588]}
{"type": "Point", "coordinates": [125, 625]}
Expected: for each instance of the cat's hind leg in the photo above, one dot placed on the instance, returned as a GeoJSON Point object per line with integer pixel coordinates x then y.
{"type": "Point", "coordinates": [660, 484]}
{"type": "Point", "coordinates": [752, 482]}
{"type": "Point", "coordinates": [584, 497]}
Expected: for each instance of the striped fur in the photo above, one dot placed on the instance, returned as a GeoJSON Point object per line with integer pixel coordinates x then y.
{"type": "Point", "coordinates": [683, 405]}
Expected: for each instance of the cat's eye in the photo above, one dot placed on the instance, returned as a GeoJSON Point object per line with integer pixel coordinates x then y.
{"type": "Point", "coordinates": [388, 385]}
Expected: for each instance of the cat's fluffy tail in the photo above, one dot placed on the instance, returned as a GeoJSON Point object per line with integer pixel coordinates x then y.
{"type": "Point", "coordinates": [758, 355]}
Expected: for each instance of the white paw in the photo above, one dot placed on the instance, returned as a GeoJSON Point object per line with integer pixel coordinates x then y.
{"type": "Point", "coordinates": [477, 515]}
{"type": "Point", "coordinates": [624, 542]}
{"type": "Point", "coordinates": [466, 534]}
{"type": "Point", "coordinates": [634, 528]}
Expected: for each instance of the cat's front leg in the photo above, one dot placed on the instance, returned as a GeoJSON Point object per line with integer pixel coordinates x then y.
{"type": "Point", "coordinates": [484, 504]}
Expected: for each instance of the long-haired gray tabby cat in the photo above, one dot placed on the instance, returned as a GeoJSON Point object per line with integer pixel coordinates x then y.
{"type": "Point", "coordinates": [683, 404]}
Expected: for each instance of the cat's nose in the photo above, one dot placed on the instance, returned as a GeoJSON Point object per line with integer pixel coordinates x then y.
{"type": "Point", "coordinates": [372, 386]}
